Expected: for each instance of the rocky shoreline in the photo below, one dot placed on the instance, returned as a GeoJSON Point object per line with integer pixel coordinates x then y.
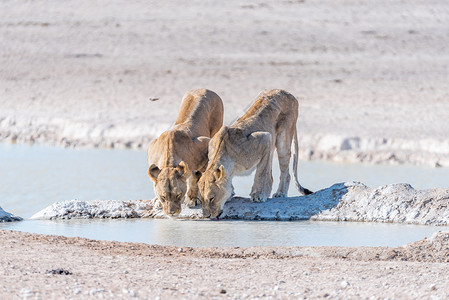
{"type": "Point", "coordinates": [351, 201]}
{"type": "Point", "coordinates": [8, 217]}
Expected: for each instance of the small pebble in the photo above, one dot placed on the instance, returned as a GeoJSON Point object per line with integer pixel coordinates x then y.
{"type": "Point", "coordinates": [344, 284]}
{"type": "Point", "coordinates": [222, 291]}
{"type": "Point", "coordinates": [59, 272]}
{"type": "Point", "coordinates": [432, 287]}
{"type": "Point", "coordinates": [129, 292]}
{"type": "Point", "coordinates": [125, 272]}
{"type": "Point", "coordinates": [25, 293]}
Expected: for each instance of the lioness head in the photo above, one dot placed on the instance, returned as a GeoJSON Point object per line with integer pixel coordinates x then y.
{"type": "Point", "coordinates": [170, 187]}
{"type": "Point", "coordinates": [215, 189]}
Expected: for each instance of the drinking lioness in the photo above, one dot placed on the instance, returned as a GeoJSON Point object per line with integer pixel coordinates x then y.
{"type": "Point", "coordinates": [179, 153]}
{"type": "Point", "coordinates": [249, 143]}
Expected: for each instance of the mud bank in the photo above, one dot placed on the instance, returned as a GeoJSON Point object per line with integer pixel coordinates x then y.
{"type": "Point", "coordinates": [8, 217]}
{"type": "Point", "coordinates": [351, 201]}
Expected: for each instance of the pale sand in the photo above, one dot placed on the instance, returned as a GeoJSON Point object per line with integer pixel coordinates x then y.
{"type": "Point", "coordinates": [100, 269]}
{"type": "Point", "coordinates": [371, 76]}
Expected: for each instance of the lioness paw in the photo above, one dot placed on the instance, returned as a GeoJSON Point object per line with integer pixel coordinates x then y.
{"type": "Point", "coordinates": [157, 203]}
{"type": "Point", "coordinates": [279, 195]}
{"type": "Point", "coordinates": [258, 197]}
{"type": "Point", "coordinates": [192, 202]}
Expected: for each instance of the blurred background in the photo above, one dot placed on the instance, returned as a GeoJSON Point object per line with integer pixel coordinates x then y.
{"type": "Point", "coordinates": [371, 76]}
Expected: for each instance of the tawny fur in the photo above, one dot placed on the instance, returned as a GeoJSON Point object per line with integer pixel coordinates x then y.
{"type": "Point", "coordinates": [179, 153]}
{"type": "Point", "coordinates": [270, 123]}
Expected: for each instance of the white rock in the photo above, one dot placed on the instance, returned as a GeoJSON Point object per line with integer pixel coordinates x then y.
{"type": "Point", "coordinates": [350, 201]}
{"type": "Point", "coordinates": [8, 217]}
{"type": "Point", "coordinates": [95, 209]}
{"type": "Point", "coordinates": [398, 203]}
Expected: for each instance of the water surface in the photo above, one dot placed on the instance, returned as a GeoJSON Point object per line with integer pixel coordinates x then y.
{"type": "Point", "coordinates": [33, 177]}
{"type": "Point", "coordinates": [204, 233]}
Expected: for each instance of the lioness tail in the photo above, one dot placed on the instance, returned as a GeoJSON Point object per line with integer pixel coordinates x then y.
{"type": "Point", "coordinates": [300, 189]}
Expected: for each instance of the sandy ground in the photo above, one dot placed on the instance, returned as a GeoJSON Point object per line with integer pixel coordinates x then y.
{"type": "Point", "coordinates": [99, 269]}
{"type": "Point", "coordinates": [371, 76]}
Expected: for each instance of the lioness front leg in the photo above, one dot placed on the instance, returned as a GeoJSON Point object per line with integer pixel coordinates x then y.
{"type": "Point", "coordinates": [263, 180]}
{"type": "Point", "coordinates": [193, 195]}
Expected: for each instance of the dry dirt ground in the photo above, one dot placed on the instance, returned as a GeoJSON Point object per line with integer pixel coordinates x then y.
{"type": "Point", "coordinates": [36, 266]}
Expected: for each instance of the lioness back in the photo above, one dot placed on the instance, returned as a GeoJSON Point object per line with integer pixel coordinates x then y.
{"type": "Point", "coordinates": [201, 110]}
{"type": "Point", "coordinates": [270, 106]}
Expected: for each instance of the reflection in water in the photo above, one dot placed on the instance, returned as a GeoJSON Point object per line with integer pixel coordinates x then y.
{"type": "Point", "coordinates": [204, 233]}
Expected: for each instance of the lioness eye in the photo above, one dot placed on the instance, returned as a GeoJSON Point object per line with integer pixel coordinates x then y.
{"type": "Point", "coordinates": [211, 199]}
{"type": "Point", "coordinates": [179, 196]}
{"type": "Point", "coordinates": [162, 198]}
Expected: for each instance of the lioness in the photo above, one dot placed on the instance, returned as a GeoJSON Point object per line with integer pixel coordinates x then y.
{"type": "Point", "coordinates": [248, 143]}
{"type": "Point", "coordinates": [178, 153]}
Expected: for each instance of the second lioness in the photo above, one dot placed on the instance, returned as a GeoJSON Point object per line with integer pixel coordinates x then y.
{"type": "Point", "coordinates": [249, 143]}
{"type": "Point", "coordinates": [178, 153]}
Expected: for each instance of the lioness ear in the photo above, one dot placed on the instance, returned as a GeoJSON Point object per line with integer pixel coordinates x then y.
{"type": "Point", "coordinates": [181, 168]}
{"type": "Point", "coordinates": [219, 173]}
{"type": "Point", "coordinates": [201, 139]}
{"type": "Point", "coordinates": [153, 172]}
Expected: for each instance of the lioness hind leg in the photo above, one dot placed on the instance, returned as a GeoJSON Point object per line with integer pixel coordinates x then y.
{"type": "Point", "coordinates": [263, 180]}
{"type": "Point", "coordinates": [283, 148]}
{"type": "Point", "coordinates": [193, 194]}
